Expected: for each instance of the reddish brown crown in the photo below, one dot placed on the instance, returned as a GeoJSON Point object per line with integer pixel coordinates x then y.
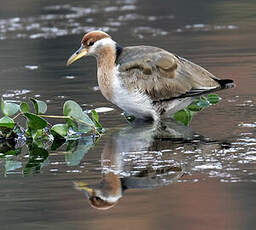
{"type": "Point", "coordinates": [90, 38]}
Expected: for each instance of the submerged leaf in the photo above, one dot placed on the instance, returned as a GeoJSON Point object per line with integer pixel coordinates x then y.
{"type": "Point", "coordinates": [78, 150]}
{"type": "Point", "coordinates": [9, 109]}
{"type": "Point", "coordinates": [11, 165]}
{"type": "Point", "coordinates": [40, 106]}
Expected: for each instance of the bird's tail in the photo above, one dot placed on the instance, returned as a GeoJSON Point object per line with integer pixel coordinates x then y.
{"type": "Point", "coordinates": [226, 83]}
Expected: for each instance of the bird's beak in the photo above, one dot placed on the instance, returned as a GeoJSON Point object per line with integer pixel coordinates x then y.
{"type": "Point", "coordinates": [83, 187]}
{"type": "Point", "coordinates": [81, 52]}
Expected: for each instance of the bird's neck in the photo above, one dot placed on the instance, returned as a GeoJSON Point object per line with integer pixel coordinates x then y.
{"type": "Point", "coordinates": [106, 69]}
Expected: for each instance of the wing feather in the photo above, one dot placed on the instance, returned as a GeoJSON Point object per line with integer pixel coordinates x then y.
{"type": "Point", "coordinates": [161, 74]}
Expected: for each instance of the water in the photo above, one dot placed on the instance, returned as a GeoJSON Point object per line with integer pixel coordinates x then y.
{"type": "Point", "coordinates": [201, 177]}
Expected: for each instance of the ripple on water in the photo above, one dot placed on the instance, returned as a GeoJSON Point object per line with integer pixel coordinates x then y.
{"type": "Point", "coordinates": [205, 27]}
{"type": "Point", "coordinates": [31, 67]}
{"type": "Point", "coordinates": [61, 20]}
{"type": "Point", "coordinates": [15, 93]}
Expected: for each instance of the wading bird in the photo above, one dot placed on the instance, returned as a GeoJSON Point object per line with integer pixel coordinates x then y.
{"type": "Point", "coordinates": [144, 81]}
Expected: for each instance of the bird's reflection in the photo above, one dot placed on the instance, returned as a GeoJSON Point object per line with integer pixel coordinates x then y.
{"type": "Point", "coordinates": [143, 156]}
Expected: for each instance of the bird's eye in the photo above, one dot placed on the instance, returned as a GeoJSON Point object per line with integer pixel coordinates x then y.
{"type": "Point", "coordinates": [96, 198]}
{"type": "Point", "coordinates": [90, 43]}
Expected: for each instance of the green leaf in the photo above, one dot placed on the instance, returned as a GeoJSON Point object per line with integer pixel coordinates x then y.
{"type": "Point", "coordinates": [40, 106]}
{"type": "Point", "coordinates": [80, 122]}
{"type": "Point", "coordinates": [34, 121]}
{"type": "Point", "coordinates": [95, 118]}
{"type": "Point", "coordinates": [7, 122]}
{"type": "Point", "coordinates": [9, 109]}
{"type": "Point", "coordinates": [194, 107]}
{"type": "Point", "coordinates": [24, 107]}
{"type": "Point", "coordinates": [213, 98]}
{"type": "Point", "coordinates": [40, 136]}
{"type": "Point", "coordinates": [6, 127]}
{"type": "Point", "coordinates": [59, 131]}
{"type": "Point", "coordinates": [95, 115]}
{"type": "Point", "coordinates": [184, 116]}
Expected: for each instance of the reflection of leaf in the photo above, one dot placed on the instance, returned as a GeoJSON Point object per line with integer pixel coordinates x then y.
{"type": "Point", "coordinates": [57, 143]}
{"type": "Point", "coordinates": [78, 150]}
{"type": "Point", "coordinates": [9, 109]}
{"type": "Point", "coordinates": [13, 152]}
{"type": "Point", "coordinates": [36, 157]}
{"type": "Point", "coordinates": [40, 106]}
{"type": "Point", "coordinates": [8, 150]}
{"type": "Point", "coordinates": [11, 165]}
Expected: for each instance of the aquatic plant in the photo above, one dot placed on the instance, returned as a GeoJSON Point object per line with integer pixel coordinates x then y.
{"type": "Point", "coordinates": [37, 127]}
{"type": "Point", "coordinates": [75, 136]}
{"type": "Point", "coordinates": [185, 116]}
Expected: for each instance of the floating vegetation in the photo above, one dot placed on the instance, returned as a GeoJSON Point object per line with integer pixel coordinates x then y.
{"type": "Point", "coordinates": [37, 127]}
{"type": "Point", "coordinates": [42, 137]}
{"type": "Point", "coordinates": [184, 116]}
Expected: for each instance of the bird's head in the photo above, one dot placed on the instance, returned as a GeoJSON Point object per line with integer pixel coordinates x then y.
{"type": "Point", "coordinates": [98, 195]}
{"type": "Point", "coordinates": [91, 44]}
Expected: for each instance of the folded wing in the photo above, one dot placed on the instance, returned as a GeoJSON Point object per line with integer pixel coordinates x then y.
{"type": "Point", "coordinates": [162, 75]}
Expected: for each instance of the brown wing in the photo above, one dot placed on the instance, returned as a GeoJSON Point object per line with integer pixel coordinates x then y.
{"type": "Point", "coordinates": [161, 74]}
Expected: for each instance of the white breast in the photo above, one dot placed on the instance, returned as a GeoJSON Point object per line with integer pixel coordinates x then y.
{"type": "Point", "coordinates": [135, 102]}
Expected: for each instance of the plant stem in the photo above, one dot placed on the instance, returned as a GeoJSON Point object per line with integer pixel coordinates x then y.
{"type": "Point", "coordinates": [54, 116]}
{"type": "Point", "coordinates": [17, 115]}
{"type": "Point", "coordinates": [81, 121]}
{"type": "Point", "coordinates": [70, 117]}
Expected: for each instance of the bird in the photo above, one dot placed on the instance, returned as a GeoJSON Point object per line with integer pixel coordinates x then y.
{"type": "Point", "coordinates": [146, 82]}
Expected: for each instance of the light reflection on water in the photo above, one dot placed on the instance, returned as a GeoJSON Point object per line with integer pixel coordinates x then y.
{"type": "Point", "coordinates": [210, 178]}
{"type": "Point", "coordinates": [62, 20]}
{"type": "Point", "coordinates": [151, 147]}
